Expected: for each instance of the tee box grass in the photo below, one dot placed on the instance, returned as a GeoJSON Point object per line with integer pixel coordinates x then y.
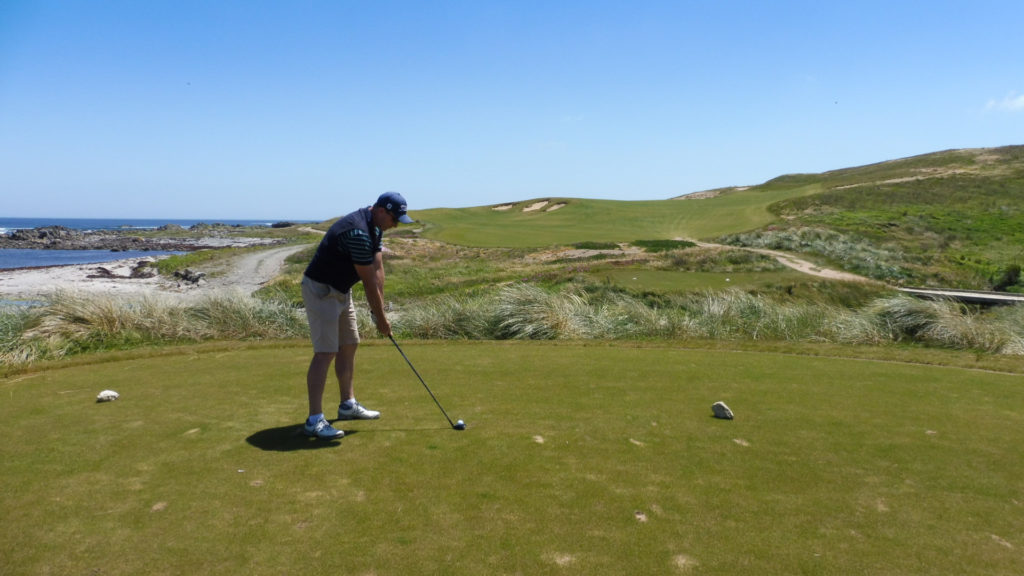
{"type": "Point", "coordinates": [578, 459]}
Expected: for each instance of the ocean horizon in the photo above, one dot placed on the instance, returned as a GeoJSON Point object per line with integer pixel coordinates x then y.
{"type": "Point", "coordinates": [22, 258]}
{"type": "Point", "coordinates": [9, 224]}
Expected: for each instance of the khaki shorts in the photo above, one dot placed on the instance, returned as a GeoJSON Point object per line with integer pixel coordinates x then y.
{"type": "Point", "coordinates": [331, 315]}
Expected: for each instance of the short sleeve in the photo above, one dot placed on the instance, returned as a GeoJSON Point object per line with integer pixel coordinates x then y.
{"type": "Point", "coordinates": [357, 243]}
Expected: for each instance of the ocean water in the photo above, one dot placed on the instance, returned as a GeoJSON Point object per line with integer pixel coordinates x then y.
{"type": "Point", "coordinates": [16, 258]}
{"type": "Point", "coordinates": [9, 224]}
{"type": "Point", "coordinates": [10, 258]}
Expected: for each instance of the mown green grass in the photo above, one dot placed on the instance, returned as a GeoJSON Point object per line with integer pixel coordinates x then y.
{"type": "Point", "coordinates": [578, 459]}
{"type": "Point", "coordinates": [582, 220]}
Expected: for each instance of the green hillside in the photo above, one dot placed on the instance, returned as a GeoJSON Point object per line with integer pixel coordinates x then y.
{"type": "Point", "coordinates": [581, 220]}
{"type": "Point", "coordinates": [953, 218]}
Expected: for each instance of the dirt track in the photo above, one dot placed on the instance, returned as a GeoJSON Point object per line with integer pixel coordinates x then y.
{"type": "Point", "coordinates": [797, 263]}
{"type": "Point", "coordinates": [246, 273]}
{"type": "Point", "coordinates": [785, 259]}
{"type": "Point", "coordinates": [249, 272]}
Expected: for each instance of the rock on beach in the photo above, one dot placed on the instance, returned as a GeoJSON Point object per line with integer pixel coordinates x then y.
{"type": "Point", "coordinates": [132, 276]}
{"type": "Point", "coordinates": [63, 238]}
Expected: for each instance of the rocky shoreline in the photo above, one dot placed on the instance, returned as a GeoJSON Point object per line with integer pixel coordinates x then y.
{"type": "Point", "coordinates": [197, 237]}
{"type": "Point", "coordinates": [244, 271]}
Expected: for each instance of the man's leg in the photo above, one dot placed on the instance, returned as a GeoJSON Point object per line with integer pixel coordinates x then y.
{"type": "Point", "coordinates": [322, 314]}
{"type": "Point", "coordinates": [344, 369]}
{"type": "Point", "coordinates": [344, 365]}
{"type": "Point", "coordinates": [316, 380]}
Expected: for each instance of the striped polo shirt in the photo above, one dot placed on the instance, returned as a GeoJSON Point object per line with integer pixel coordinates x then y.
{"type": "Point", "coordinates": [349, 241]}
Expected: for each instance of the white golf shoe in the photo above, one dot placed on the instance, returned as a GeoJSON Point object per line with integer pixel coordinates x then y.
{"type": "Point", "coordinates": [356, 412]}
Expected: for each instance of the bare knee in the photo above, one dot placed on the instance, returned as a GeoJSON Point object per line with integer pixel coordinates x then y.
{"type": "Point", "coordinates": [323, 358]}
{"type": "Point", "coordinates": [347, 350]}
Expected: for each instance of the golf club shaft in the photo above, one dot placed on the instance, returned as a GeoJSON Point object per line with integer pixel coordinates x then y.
{"type": "Point", "coordinates": [450, 423]}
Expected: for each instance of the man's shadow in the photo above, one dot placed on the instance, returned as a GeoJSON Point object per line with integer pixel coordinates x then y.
{"type": "Point", "coordinates": [290, 438]}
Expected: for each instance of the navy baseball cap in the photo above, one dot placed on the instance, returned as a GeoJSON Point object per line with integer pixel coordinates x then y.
{"type": "Point", "coordinates": [395, 204]}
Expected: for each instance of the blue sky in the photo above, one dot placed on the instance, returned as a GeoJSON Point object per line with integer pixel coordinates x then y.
{"type": "Point", "coordinates": [307, 110]}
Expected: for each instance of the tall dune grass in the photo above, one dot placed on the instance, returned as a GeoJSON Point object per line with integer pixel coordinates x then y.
{"type": "Point", "coordinates": [529, 312]}
{"type": "Point", "coordinates": [237, 316]}
{"type": "Point", "coordinates": [736, 314]}
{"type": "Point", "coordinates": [69, 323]}
{"type": "Point", "coordinates": [15, 321]}
{"type": "Point", "coordinates": [449, 318]}
{"type": "Point", "coordinates": [949, 324]}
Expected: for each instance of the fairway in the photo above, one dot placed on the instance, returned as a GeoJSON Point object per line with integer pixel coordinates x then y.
{"type": "Point", "coordinates": [578, 459]}
{"type": "Point", "coordinates": [579, 220]}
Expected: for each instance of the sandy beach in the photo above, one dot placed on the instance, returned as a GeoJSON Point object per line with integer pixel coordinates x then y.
{"type": "Point", "coordinates": [245, 273]}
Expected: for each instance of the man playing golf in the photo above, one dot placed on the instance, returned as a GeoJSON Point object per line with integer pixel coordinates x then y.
{"type": "Point", "coordinates": [350, 252]}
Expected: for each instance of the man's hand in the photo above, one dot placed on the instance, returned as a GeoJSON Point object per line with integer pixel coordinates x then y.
{"type": "Point", "coordinates": [382, 323]}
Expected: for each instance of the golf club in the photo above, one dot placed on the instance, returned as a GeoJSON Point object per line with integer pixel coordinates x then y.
{"type": "Point", "coordinates": [460, 425]}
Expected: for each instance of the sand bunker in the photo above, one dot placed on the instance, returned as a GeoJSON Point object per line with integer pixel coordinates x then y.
{"type": "Point", "coordinates": [532, 207]}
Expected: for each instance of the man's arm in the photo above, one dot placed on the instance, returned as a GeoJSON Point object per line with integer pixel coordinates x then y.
{"type": "Point", "coordinates": [372, 276]}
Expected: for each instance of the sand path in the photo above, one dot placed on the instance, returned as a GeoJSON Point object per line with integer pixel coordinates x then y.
{"type": "Point", "coordinates": [246, 273]}
{"type": "Point", "coordinates": [795, 263]}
